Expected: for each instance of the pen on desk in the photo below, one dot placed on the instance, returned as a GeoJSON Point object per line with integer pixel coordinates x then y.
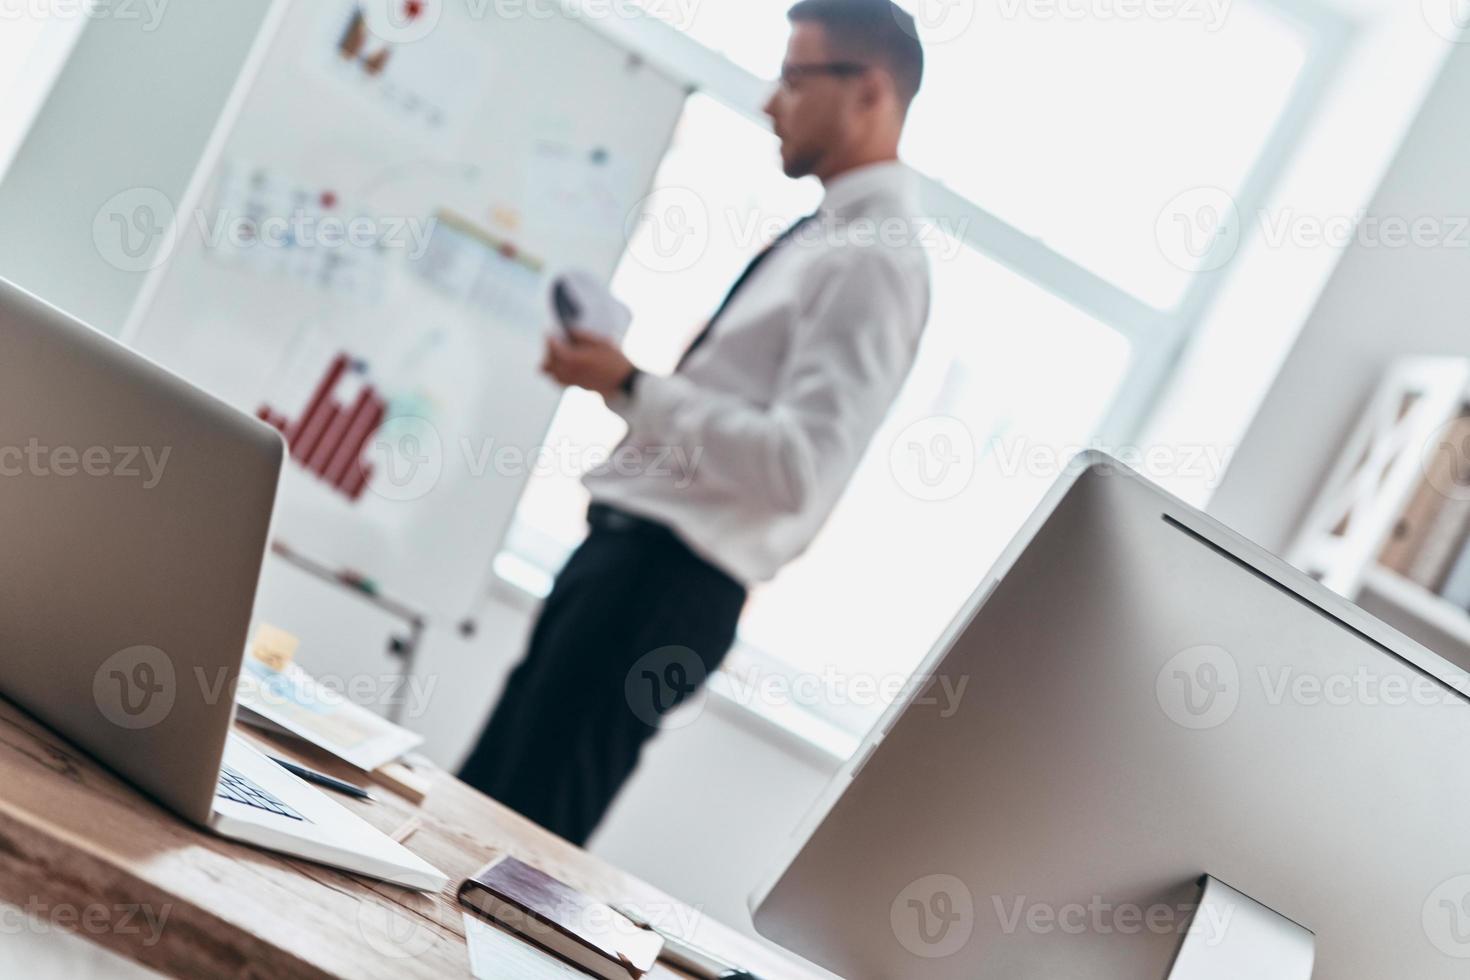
{"type": "Point", "coordinates": [322, 779]}
{"type": "Point", "coordinates": [685, 956]}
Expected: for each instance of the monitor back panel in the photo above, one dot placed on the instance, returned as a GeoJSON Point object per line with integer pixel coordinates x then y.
{"type": "Point", "coordinates": [1138, 708]}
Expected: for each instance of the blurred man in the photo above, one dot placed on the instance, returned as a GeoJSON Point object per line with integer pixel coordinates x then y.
{"type": "Point", "coordinates": [772, 406]}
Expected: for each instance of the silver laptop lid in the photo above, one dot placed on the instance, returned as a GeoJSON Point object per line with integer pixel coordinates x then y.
{"type": "Point", "coordinates": [134, 514]}
{"type": "Point", "coordinates": [1147, 698]}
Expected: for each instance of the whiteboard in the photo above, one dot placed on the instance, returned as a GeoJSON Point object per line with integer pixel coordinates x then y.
{"type": "Point", "coordinates": [367, 263]}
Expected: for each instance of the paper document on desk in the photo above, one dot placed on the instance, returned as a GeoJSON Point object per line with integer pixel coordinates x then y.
{"type": "Point", "coordinates": [496, 954]}
{"type": "Point", "coordinates": [293, 700]}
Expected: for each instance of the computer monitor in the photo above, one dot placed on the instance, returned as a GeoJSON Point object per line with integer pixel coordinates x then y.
{"type": "Point", "coordinates": [1135, 699]}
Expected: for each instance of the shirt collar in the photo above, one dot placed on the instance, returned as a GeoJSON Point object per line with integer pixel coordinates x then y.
{"type": "Point", "coordinates": [889, 177]}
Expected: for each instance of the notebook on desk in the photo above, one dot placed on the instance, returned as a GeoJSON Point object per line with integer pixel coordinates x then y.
{"type": "Point", "coordinates": [496, 953]}
{"type": "Point", "coordinates": [557, 919]}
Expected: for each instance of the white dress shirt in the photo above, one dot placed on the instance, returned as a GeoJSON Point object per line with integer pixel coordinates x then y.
{"type": "Point", "coordinates": [745, 450]}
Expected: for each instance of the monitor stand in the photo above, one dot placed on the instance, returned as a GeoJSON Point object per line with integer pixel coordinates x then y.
{"type": "Point", "coordinates": [1233, 936]}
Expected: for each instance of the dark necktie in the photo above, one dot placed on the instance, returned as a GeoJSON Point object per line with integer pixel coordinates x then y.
{"type": "Point", "coordinates": [755, 264]}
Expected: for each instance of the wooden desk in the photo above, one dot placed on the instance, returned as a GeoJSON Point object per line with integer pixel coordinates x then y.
{"type": "Point", "coordinates": [75, 837]}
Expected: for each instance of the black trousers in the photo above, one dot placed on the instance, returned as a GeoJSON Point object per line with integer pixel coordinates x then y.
{"type": "Point", "coordinates": [633, 626]}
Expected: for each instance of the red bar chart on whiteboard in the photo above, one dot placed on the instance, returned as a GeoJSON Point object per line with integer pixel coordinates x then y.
{"type": "Point", "coordinates": [330, 436]}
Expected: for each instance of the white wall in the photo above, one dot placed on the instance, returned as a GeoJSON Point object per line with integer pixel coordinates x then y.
{"type": "Point", "coordinates": [1380, 303]}
{"type": "Point", "coordinates": [33, 49]}
{"type": "Point", "coordinates": [133, 108]}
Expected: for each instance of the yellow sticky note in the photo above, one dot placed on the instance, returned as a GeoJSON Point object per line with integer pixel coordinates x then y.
{"type": "Point", "coordinates": [274, 647]}
{"type": "Point", "coordinates": [506, 217]}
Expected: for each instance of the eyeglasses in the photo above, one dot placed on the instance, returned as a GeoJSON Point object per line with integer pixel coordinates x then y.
{"type": "Point", "coordinates": [792, 75]}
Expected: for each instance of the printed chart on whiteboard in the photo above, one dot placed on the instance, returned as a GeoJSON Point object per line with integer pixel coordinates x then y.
{"type": "Point", "coordinates": [366, 267]}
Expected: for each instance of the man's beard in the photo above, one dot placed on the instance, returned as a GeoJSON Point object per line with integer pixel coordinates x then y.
{"type": "Point", "coordinates": [801, 166]}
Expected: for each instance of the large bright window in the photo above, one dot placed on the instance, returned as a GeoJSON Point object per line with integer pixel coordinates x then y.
{"type": "Point", "coordinates": [1050, 149]}
{"type": "Point", "coordinates": [1073, 125]}
{"type": "Point", "coordinates": [1081, 131]}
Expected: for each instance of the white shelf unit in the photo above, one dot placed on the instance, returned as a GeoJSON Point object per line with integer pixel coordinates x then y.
{"type": "Point", "coordinates": [1380, 469]}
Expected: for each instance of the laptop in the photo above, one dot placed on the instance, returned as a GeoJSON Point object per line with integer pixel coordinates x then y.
{"type": "Point", "coordinates": [136, 512]}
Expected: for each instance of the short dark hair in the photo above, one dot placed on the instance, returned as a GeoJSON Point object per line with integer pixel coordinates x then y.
{"type": "Point", "coordinates": [877, 29]}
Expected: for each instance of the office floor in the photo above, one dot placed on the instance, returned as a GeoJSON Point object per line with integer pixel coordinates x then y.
{"type": "Point", "coordinates": [32, 947]}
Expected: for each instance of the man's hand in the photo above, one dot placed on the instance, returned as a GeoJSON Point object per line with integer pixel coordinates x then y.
{"type": "Point", "coordinates": [587, 360]}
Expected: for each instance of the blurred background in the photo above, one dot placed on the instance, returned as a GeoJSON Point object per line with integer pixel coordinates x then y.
{"type": "Point", "coordinates": [1196, 234]}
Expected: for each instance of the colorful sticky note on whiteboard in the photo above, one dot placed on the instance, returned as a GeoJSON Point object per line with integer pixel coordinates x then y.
{"type": "Point", "coordinates": [274, 647]}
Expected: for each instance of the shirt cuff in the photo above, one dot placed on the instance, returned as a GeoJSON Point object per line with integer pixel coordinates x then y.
{"type": "Point", "coordinates": [654, 398]}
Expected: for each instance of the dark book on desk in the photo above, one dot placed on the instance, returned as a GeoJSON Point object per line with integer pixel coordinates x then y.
{"type": "Point", "coordinates": [561, 920]}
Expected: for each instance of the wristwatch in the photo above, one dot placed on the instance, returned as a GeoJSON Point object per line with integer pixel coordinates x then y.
{"type": "Point", "coordinates": [632, 379]}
